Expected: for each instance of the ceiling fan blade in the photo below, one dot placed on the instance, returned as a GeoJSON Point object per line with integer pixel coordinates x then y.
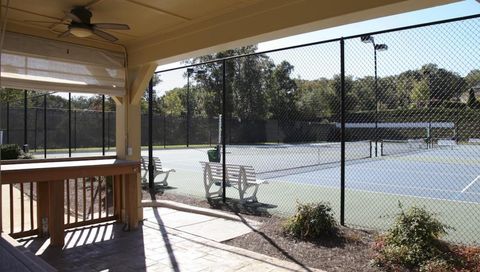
{"type": "Point", "coordinates": [111, 26]}
{"type": "Point", "coordinates": [64, 34]}
{"type": "Point", "coordinates": [44, 22]}
{"type": "Point", "coordinates": [72, 17]}
{"type": "Point", "coordinates": [104, 35]}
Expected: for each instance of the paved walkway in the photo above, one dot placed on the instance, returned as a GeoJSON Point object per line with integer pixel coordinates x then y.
{"type": "Point", "coordinates": [168, 240]}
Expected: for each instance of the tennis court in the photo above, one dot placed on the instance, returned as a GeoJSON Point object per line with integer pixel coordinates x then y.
{"type": "Point", "coordinates": [442, 179]}
{"type": "Point", "coordinates": [448, 173]}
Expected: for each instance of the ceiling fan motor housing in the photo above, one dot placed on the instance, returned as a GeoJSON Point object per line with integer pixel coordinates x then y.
{"type": "Point", "coordinates": [83, 14]}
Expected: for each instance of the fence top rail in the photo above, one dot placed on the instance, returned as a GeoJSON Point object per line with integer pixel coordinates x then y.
{"type": "Point", "coordinates": [463, 18]}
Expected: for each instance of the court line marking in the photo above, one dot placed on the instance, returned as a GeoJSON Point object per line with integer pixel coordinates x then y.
{"type": "Point", "coordinates": [470, 184]}
{"type": "Point", "coordinates": [392, 194]}
{"type": "Point", "coordinates": [350, 181]}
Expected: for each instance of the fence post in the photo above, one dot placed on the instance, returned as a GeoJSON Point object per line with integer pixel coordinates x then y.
{"type": "Point", "coordinates": [108, 131]}
{"type": "Point", "coordinates": [75, 130]}
{"type": "Point", "coordinates": [69, 125]}
{"type": "Point", "coordinates": [25, 119]}
{"type": "Point", "coordinates": [224, 136]}
{"type": "Point", "coordinates": [342, 133]}
{"type": "Point", "coordinates": [103, 125]}
{"type": "Point", "coordinates": [164, 129]}
{"type": "Point", "coordinates": [150, 135]}
{"type": "Point", "coordinates": [8, 122]}
{"type": "Point", "coordinates": [45, 126]}
{"type": "Point", "coordinates": [35, 131]}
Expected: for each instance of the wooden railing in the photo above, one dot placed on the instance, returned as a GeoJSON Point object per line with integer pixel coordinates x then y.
{"type": "Point", "coordinates": [35, 193]}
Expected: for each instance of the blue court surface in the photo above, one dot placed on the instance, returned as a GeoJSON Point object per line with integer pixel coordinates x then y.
{"type": "Point", "coordinates": [437, 174]}
{"type": "Point", "coordinates": [447, 173]}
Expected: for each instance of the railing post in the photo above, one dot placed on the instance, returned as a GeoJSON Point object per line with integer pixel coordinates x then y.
{"type": "Point", "coordinates": [342, 133]}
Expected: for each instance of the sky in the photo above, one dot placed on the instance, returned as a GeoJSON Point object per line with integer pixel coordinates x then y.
{"type": "Point", "coordinates": [406, 50]}
{"type": "Point", "coordinates": [456, 49]}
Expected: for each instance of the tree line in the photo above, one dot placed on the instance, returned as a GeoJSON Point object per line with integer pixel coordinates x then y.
{"type": "Point", "coordinates": [259, 89]}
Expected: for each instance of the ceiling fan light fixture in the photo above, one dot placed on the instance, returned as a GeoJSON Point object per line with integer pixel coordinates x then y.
{"type": "Point", "coordinates": [81, 32]}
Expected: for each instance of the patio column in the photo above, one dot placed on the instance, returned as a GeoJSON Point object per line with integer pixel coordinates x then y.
{"type": "Point", "coordinates": [128, 132]}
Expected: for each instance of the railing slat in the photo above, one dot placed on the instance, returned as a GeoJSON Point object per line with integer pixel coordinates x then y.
{"type": "Point", "coordinates": [84, 200]}
{"type": "Point", "coordinates": [22, 209]}
{"type": "Point", "coordinates": [92, 199]}
{"type": "Point", "coordinates": [11, 208]}
{"type": "Point", "coordinates": [32, 227]}
{"type": "Point", "coordinates": [68, 200]}
{"type": "Point", "coordinates": [100, 206]}
{"type": "Point", "coordinates": [76, 200]}
{"type": "Point", "coordinates": [106, 195]}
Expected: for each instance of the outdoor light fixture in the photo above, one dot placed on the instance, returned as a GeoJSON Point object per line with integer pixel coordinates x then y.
{"type": "Point", "coordinates": [381, 47]}
{"type": "Point", "coordinates": [376, 47]}
{"type": "Point", "coordinates": [80, 31]}
{"type": "Point", "coordinates": [367, 39]}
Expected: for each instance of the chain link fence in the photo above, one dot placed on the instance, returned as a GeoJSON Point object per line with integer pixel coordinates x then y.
{"type": "Point", "coordinates": [367, 123]}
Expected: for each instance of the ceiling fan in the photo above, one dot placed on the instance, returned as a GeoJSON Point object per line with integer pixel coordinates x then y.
{"type": "Point", "coordinates": [81, 27]}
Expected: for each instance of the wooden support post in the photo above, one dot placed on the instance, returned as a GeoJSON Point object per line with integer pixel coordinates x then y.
{"type": "Point", "coordinates": [56, 224]}
{"type": "Point", "coordinates": [131, 200]}
{"type": "Point", "coordinates": [42, 206]}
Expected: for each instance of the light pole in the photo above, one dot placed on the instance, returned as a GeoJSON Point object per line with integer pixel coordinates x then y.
{"type": "Point", "coordinates": [190, 71]}
{"type": "Point", "coordinates": [376, 47]}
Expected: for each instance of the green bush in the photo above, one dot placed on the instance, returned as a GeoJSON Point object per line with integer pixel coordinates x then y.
{"type": "Point", "coordinates": [10, 151]}
{"type": "Point", "coordinates": [311, 222]}
{"type": "Point", "coordinates": [413, 241]}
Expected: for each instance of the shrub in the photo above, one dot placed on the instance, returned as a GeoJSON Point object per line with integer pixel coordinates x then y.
{"type": "Point", "coordinates": [413, 241]}
{"type": "Point", "coordinates": [25, 155]}
{"type": "Point", "coordinates": [10, 151]}
{"type": "Point", "coordinates": [311, 222]}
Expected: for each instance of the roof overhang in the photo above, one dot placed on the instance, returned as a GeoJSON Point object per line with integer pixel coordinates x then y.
{"type": "Point", "coordinates": [172, 30]}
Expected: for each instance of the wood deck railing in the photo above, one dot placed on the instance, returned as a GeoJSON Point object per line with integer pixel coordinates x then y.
{"type": "Point", "coordinates": [37, 189]}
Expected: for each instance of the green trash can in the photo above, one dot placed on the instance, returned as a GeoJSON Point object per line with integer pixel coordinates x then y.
{"type": "Point", "coordinates": [214, 155]}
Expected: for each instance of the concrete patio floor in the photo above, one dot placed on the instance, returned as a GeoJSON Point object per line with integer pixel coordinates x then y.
{"type": "Point", "coordinates": [168, 240]}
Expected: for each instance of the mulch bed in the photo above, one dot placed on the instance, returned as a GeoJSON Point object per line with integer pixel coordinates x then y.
{"type": "Point", "coordinates": [351, 252]}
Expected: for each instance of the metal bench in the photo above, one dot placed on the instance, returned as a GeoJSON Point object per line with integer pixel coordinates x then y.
{"type": "Point", "coordinates": [240, 177]}
{"type": "Point", "coordinates": [157, 170]}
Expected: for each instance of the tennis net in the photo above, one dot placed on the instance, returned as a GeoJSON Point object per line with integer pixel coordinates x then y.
{"type": "Point", "coordinates": [273, 160]}
{"type": "Point", "coordinates": [397, 147]}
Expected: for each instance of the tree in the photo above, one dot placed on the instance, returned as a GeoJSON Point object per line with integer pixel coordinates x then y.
{"type": "Point", "coordinates": [334, 95]}
{"type": "Point", "coordinates": [173, 101]}
{"type": "Point", "coordinates": [247, 81]}
{"type": "Point", "coordinates": [443, 85]}
{"type": "Point", "coordinates": [472, 102]}
{"type": "Point", "coordinates": [313, 98]}
{"type": "Point", "coordinates": [421, 93]}
{"type": "Point", "coordinates": [281, 92]}
{"type": "Point", "coordinates": [473, 78]}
